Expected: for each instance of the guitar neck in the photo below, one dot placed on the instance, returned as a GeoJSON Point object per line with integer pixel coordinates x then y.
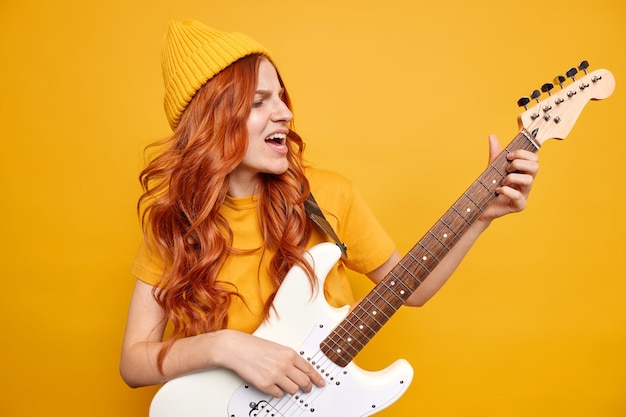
{"type": "Point", "coordinates": [369, 315]}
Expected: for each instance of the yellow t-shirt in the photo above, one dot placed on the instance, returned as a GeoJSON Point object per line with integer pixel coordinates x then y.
{"type": "Point", "coordinates": [368, 245]}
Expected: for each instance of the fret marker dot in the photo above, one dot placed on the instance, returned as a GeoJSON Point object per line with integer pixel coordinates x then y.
{"type": "Point", "coordinates": [445, 235]}
{"type": "Point", "coordinates": [468, 209]}
{"type": "Point", "coordinates": [493, 181]}
{"type": "Point", "coordinates": [424, 258]}
{"type": "Point", "coordinates": [349, 339]}
{"type": "Point", "coordinates": [374, 312]}
{"type": "Point", "coordinates": [361, 327]}
{"type": "Point", "coordinates": [338, 350]}
{"type": "Point", "coordinates": [402, 292]}
{"type": "Point", "coordinates": [393, 283]}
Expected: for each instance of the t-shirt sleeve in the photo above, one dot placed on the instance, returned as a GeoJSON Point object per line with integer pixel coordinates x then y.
{"type": "Point", "coordinates": [147, 266]}
{"type": "Point", "coordinates": [369, 245]}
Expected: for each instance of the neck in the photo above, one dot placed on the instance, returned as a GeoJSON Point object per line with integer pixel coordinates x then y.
{"type": "Point", "coordinates": [243, 184]}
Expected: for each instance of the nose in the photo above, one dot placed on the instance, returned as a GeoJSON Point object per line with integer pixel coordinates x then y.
{"type": "Point", "coordinates": [281, 112]}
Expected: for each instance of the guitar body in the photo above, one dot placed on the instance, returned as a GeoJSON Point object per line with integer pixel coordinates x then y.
{"type": "Point", "coordinates": [302, 319]}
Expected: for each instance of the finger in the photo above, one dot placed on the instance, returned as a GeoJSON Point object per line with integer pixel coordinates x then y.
{"type": "Point", "coordinates": [494, 148]}
{"type": "Point", "coordinates": [273, 390]}
{"type": "Point", "coordinates": [519, 181]}
{"type": "Point", "coordinates": [309, 373]}
{"type": "Point", "coordinates": [522, 154]}
{"type": "Point", "coordinates": [524, 166]}
{"type": "Point", "coordinates": [297, 380]}
{"type": "Point", "coordinates": [303, 380]}
{"type": "Point", "coordinates": [517, 200]}
{"type": "Point", "coordinates": [289, 385]}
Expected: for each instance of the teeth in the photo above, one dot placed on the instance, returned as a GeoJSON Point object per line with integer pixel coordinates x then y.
{"type": "Point", "coordinates": [277, 136]}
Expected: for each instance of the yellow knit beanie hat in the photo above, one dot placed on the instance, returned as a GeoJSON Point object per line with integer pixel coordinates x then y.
{"type": "Point", "coordinates": [193, 54]}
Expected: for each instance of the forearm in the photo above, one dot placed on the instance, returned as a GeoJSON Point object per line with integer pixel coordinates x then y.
{"type": "Point", "coordinates": [440, 275]}
{"type": "Point", "coordinates": [138, 365]}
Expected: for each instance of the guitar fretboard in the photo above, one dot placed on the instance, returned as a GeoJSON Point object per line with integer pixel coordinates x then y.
{"type": "Point", "coordinates": [369, 315]}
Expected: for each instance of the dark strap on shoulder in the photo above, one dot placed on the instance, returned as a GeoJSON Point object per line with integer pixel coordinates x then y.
{"type": "Point", "coordinates": [314, 212]}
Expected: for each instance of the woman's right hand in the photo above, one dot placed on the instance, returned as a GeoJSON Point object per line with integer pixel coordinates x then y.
{"type": "Point", "coordinates": [272, 368]}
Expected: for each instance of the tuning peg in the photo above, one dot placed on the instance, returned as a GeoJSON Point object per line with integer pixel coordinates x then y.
{"type": "Point", "coordinates": [535, 95]}
{"type": "Point", "coordinates": [559, 79]}
{"type": "Point", "coordinates": [583, 66]}
{"type": "Point", "coordinates": [547, 88]}
{"type": "Point", "coordinates": [523, 102]}
{"type": "Point", "coordinates": [571, 73]}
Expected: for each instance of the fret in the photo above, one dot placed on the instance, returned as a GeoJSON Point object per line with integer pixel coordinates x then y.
{"type": "Point", "coordinates": [478, 206]}
{"type": "Point", "coordinates": [355, 335]}
{"type": "Point", "coordinates": [446, 233]}
{"type": "Point", "coordinates": [442, 220]}
{"type": "Point", "coordinates": [431, 253]}
{"type": "Point", "coordinates": [397, 281]}
{"type": "Point", "coordinates": [397, 286]}
{"type": "Point", "coordinates": [488, 188]}
{"type": "Point", "coordinates": [492, 166]}
{"type": "Point", "coordinates": [451, 221]}
{"type": "Point", "coordinates": [374, 312]}
{"type": "Point", "coordinates": [398, 273]}
{"type": "Point", "coordinates": [435, 245]}
{"type": "Point", "coordinates": [415, 258]}
{"type": "Point", "coordinates": [355, 343]}
{"type": "Point", "coordinates": [460, 214]}
{"type": "Point", "coordinates": [466, 208]}
{"type": "Point", "coordinates": [336, 353]}
{"type": "Point", "coordinates": [362, 326]}
{"type": "Point", "coordinates": [410, 273]}
{"type": "Point", "coordinates": [384, 301]}
{"type": "Point", "coordinates": [345, 337]}
{"type": "Point", "coordinates": [443, 245]}
{"type": "Point", "coordinates": [374, 309]}
{"type": "Point", "coordinates": [402, 293]}
{"type": "Point", "coordinates": [338, 348]}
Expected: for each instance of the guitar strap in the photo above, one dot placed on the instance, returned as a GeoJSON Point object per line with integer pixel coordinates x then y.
{"type": "Point", "coordinates": [315, 214]}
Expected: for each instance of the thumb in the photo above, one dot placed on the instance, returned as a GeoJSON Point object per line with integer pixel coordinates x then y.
{"type": "Point", "coordinates": [494, 148]}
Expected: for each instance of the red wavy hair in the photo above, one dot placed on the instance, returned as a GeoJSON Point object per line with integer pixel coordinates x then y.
{"type": "Point", "coordinates": [184, 188]}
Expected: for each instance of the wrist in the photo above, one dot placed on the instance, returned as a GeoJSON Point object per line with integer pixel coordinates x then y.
{"type": "Point", "coordinates": [481, 224]}
{"type": "Point", "coordinates": [220, 346]}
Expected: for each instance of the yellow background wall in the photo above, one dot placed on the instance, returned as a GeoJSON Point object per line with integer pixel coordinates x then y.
{"type": "Point", "coordinates": [397, 95]}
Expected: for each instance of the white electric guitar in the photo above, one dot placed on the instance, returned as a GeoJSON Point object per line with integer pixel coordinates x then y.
{"type": "Point", "coordinates": [329, 338]}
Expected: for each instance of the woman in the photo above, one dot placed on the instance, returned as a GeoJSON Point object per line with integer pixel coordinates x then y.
{"type": "Point", "coordinates": [224, 219]}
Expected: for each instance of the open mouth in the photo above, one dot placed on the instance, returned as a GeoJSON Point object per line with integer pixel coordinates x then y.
{"type": "Point", "coordinates": [277, 138]}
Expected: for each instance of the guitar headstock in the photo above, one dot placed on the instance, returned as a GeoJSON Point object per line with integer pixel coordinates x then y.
{"type": "Point", "coordinates": [555, 115]}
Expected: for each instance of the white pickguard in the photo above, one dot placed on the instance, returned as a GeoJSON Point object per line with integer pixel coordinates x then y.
{"type": "Point", "coordinates": [301, 320]}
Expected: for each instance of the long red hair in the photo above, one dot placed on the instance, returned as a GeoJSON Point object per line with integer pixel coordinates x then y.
{"type": "Point", "coordinates": [184, 188]}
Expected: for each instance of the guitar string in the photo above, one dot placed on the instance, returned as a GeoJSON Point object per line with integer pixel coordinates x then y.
{"type": "Point", "coordinates": [285, 404]}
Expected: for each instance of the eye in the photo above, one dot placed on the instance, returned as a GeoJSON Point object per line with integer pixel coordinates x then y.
{"type": "Point", "coordinates": [257, 103]}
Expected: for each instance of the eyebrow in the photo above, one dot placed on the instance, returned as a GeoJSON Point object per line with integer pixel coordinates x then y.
{"type": "Point", "coordinates": [281, 92]}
